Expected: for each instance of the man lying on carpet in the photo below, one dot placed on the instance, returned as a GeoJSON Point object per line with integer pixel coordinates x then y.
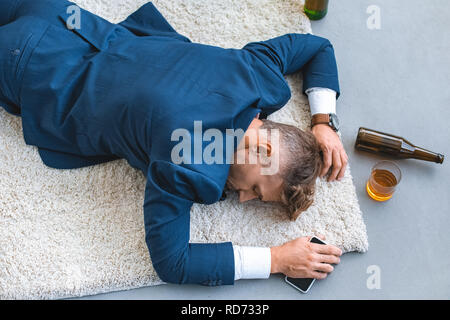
{"type": "Point", "coordinates": [90, 91]}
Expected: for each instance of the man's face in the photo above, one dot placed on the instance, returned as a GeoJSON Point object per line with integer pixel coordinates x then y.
{"type": "Point", "coordinates": [250, 178]}
{"type": "Point", "coordinates": [248, 181]}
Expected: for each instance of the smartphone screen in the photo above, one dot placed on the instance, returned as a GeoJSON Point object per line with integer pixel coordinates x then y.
{"type": "Point", "coordinates": [303, 284]}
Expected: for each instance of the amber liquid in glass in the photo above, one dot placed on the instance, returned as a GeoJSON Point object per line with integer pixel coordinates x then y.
{"type": "Point", "coordinates": [381, 185]}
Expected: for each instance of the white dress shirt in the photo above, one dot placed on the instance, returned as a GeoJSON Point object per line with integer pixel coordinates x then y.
{"type": "Point", "coordinates": [255, 262]}
{"type": "Point", "coordinates": [321, 100]}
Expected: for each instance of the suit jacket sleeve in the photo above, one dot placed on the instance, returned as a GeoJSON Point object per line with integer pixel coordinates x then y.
{"type": "Point", "coordinates": [293, 52]}
{"type": "Point", "coordinates": [148, 21]}
{"type": "Point", "coordinates": [8, 105]}
{"type": "Point", "coordinates": [168, 198]}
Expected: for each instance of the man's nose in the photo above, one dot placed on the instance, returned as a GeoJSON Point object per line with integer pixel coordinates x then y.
{"type": "Point", "coordinates": [246, 196]}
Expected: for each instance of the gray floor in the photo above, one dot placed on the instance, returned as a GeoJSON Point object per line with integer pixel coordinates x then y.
{"type": "Point", "coordinates": [395, 79]}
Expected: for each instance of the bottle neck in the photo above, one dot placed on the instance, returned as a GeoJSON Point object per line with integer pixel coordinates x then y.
{"type": "Point", "coordinates": [423, 154]}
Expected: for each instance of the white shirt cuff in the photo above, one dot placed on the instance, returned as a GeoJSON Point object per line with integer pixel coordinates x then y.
{"type": "Point", "coordinates": [251, 262]}
{"type": "Point", "coordinates": [321, 100]}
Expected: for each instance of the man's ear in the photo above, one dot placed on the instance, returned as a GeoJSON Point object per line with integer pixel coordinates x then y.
{"type": "Point", "coordinates": [264, 148]}
{"type": "Point", "coordinates": [264, 152]}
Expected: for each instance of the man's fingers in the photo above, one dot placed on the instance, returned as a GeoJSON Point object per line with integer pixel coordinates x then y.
{"type": "Point", "coordinates": [318, 275]}
{"type": "Point", "coordinates": [325, 258]}
{"type": "Point", "coordinates": [344, 161]}
{"type": "Point", "coordinates": [336, 165]}
{"type": "Point", "coordinates": [327, 157]}
{"type": "Point", "coordinates": [323, 267]}
{"type": "Point", "coordinates": [326, 249]}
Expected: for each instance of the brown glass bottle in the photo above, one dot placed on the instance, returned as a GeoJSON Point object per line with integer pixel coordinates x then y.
{"type": "Point", "coordinates": [379, 142]}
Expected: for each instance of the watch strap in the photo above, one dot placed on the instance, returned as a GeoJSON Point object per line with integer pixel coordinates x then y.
{"type": "Point", "coordinates": [320, 118]}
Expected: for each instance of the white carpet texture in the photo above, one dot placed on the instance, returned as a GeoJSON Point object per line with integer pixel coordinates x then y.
{"type": "Point", "coordinates": [79, 232]}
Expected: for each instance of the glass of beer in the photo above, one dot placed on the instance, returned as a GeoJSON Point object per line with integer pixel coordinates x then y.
{"type": "Point", "coordinates": [384, 177]}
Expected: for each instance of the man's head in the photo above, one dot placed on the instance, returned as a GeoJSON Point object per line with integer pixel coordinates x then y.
{"type": "Point", "coordinates": [298, 163]}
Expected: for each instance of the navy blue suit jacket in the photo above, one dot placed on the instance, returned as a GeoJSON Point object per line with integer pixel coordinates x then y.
{"type": "Point", "coordinates": [109, 91]}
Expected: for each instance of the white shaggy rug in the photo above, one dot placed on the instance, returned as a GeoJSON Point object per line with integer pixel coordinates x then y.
{"type": "Point", "coordinates": [79, 232]}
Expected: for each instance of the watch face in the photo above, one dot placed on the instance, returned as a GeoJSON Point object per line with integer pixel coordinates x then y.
{"type": "Point", "coordinates": [334, 121]}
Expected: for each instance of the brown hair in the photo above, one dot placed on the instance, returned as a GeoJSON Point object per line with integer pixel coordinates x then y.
{"type": "Point", "coordinates": [300, 165]}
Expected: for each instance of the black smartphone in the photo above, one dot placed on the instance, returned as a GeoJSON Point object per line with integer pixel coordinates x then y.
{"type": "Point", "coordinates": [303, 284]}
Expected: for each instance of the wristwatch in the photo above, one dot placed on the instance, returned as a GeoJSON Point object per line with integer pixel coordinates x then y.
{"type": "Point", "coordinates": [330, 119]}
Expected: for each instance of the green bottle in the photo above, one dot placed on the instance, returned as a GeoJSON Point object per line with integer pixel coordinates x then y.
{"type": "Point", "coordinates": [316, 9]}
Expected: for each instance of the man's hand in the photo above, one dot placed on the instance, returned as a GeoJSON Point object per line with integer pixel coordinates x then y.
{"type": "Point", "coordinates": [334, 154]}
{"type": "Point", "coordinates": [300, 258]}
